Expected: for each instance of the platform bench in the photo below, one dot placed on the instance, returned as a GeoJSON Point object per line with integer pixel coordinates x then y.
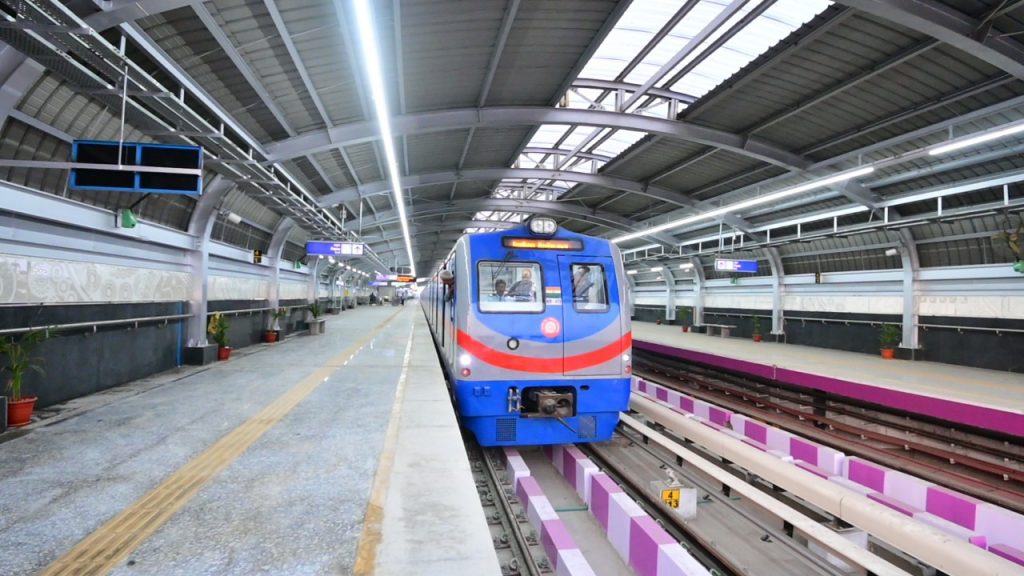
{"type": "Point", "coordinates": [721, 329]}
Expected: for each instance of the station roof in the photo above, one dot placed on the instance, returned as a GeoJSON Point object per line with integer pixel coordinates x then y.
{"type": "Point", "coordinates": [802, 130]}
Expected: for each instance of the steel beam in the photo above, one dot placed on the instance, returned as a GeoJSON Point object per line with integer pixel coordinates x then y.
{"type": "Point", "coordinates": [485, 174]}
{"type": "Point", "coordinates": [116, 13]}
{"type": "Point", "coordinates": [503, 116]}
{"type": "Point", "coordinates": [670, 292]}
{"type": "Point", "coordinates": [950, 26]}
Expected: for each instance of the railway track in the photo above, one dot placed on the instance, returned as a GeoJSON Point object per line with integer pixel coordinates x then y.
{"type": "Point", "coordinates": [976, 475]}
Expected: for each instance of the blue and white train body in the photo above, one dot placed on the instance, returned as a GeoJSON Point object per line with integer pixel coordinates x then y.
{"type": "Point", "coordinates": [533, 328]}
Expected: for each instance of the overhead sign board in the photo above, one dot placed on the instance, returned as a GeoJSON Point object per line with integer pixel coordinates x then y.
{"type": "Point", "coordinates": [164, 168]}
{"type": "Point", "coordinates": [406, 279]}
{"type": "Point", "coordinates": [726, 265]}
{"type": "Point", "coordinates": [327, 248]}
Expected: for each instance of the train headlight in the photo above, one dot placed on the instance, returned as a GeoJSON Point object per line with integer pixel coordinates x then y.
{"type": "Point", "coordinates": [465, 360]}
{"type": "Point", "coordinates": [543, 226]}
{"type": "Point", "coordinates": [625, 357]}
{"type": "Point", "coordinates": [513, 343]}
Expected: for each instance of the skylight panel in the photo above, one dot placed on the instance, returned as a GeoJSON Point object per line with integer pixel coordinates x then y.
{"type": "Point", "coordinates": [547, 135]}
{"type": "Point", "coordinates": [619, 141]}
{"type": "Point", "coordinates": [775, 24]}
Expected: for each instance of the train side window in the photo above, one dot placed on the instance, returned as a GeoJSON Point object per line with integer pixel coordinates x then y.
{"type": "Point", "coordinates": [510, 287]}
{"type": "Point", "coordinates": [589, 288]}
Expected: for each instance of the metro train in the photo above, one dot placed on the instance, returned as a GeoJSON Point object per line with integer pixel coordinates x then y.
{"type": "Point", "coordinates": [532, 326]}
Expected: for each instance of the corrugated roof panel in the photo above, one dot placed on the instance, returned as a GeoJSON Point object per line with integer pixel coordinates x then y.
{"type": "Point", "coordinates": [658, 156]}
{"type": "Point", "coordinates": [492, 147]}
{"type": "Point", "coordinates": [250, 28]}
{"type": "Point", "coordinates": [315, 31]}
{"type": "Point", "coordinates": [546, 42]}
{"type": "Point", "coordinates": [708, 171]}
{"type": "Point", "coordinates": [447, 47]}
{"type": "Point", "coordinates": [435, 151]}
{"type": "Point", "coordinates": [364, 161]}
{"type": "Point", "coordinates": [333, 165]}
{"type": "Point", "coordinates": [188, 42]}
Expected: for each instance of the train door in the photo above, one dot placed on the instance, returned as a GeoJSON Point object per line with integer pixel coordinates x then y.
{"type": "Point", "coordinates": [590, 316]}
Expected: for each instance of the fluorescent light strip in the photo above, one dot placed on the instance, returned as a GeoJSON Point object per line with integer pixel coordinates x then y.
{"type": "Point", "coordinates": [842, 177]}
{"type": "Point", "coordinates": [979, 139]}
{"type": "Point", "coordinates": [368, 41]}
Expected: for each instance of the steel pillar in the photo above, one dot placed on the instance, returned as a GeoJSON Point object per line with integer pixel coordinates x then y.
{"type": "Point", "coordinates": [199, 227]}
{"type": "Point", "coordinates": [698, 291]}
{"type": "Point", "coordinates": [670, 293]}
{"type": "Point", "coordinates": [778, 274]}
{"type": "Point", "coordinates": [911, 265]}
{"type": "Point", "coordinates": [277, 241]}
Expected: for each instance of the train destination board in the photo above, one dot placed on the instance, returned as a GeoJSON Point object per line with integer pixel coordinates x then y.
{"type": "Point", "coordinates": [322, 248]}
{"type": "Point", "coordinates": [726, 265]}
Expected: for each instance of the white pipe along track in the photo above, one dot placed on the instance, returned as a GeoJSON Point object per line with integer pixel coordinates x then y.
{"type": "Point", "coordinates": [930, 545]}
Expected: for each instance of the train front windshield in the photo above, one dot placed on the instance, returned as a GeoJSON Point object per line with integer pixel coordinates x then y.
{"type": "Point", "coordinates": [510, 287]}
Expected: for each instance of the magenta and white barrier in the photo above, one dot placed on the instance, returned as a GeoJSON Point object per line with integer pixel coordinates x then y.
{"type": "Point", "coordinates": [562, 551]}
{"type": "Point", "coordinates": [980, 523]}
{"type": "Point", "coordinates": [638, 539]}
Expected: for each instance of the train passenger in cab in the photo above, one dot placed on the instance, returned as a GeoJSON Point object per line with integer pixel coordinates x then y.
{"type": "Point", "coordinates": [523, 289]}
{"type": "Point", "coordinates": [499, 291]}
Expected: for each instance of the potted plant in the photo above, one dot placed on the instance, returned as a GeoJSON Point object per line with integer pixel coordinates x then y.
{"type": "Point", "coordinates": [218, 329]}
{"type": "Point", "coordinates": [757, 329]}
{"type": "Point", "coordinates": [273, 334]}
{"type": "Point", "coordinates": [684, 317]}
{"type": "Point", "coordinates": [316, 326]}
{"type": "Point", "coordinates": [890, 337]}
{"type": "Point", "coordinates": [18, 353]}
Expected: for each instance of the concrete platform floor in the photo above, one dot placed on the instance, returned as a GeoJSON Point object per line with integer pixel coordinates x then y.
{"type": "Point", "coordinates": [261, 464]}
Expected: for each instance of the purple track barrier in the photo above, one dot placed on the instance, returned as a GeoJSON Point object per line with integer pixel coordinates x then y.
{"type": "Point", "coordinates": [661, 393]}
{"type": "Point", "coordinates": [894, 503]}
{"type": "Point", "coordinates": [718, 415]}
{"type": "Point", "coordinates": [621, 512]}
{"type": "Point", "coordinates": [906, 488]}
{"type": "Point", "coordinates": [1002, 526]}
{"type": "Point", "coordinates": [952, 529]}
{"type": "Point", "coordinates": [866, 474]}
{"type": "Point", "coordinates": [515, 467]}
{"type": "Point", "coordinates": [956, 508]}
{"type": "Point", "coordinates": [601, 489]}
{"type": "Point", "coordinates": [645, 538]}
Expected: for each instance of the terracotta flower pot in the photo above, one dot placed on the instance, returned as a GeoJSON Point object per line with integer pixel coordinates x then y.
{"type": "Point", "coordinates": [758, 338]}
{"type": "Point", "coordinates": [888, 353]}
{"type": "Point", "coordinates": [20, 413]}
{"type": "Point", "coordinates": [223, 353]}
{"type": "Point", "coordinates": [270, 336]}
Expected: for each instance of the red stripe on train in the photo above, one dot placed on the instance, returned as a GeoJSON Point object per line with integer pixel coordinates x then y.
{"type": "Point", "coordinates": [547, 365]}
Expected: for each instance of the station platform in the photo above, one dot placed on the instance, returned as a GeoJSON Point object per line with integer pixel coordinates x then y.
{"type": "Point", "coordinates": [333, 454]}
{"type": "Point", "coordinates": [984, 399]}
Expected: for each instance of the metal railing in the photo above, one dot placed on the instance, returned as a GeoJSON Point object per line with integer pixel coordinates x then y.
{"type": "Point", "coordinates": [96, 324]}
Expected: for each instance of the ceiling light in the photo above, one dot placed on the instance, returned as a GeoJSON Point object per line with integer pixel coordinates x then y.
{"type": "Point", "coordinates": [731, 208]}
{"type": "Point", "coordinates": [685, 266]}
{"type": "Point", "coordinates": [979, 139]}
{"type": "Point", "coordinates": [374, 72]}
{"type": "Point", "coordinates": [656, 269]}
{"type": "Point", "coordinates": [631, 272]}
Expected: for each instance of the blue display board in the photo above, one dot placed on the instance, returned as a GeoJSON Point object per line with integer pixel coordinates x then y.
{"type": "Point", "coordinates": [322, 248]}
{"type": "Point", "coordinates": [726, 265]}
{"type": "Point", "coordinates": [137, 154]}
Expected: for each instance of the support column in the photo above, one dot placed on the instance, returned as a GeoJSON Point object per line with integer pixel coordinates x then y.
{"type": "Point", "coordinates": [313, 282]}
{"type": "Point", "coordinates": [274, 251]}
{"type": "Point", "coordinates": [698, 291]}
{"type": "Point", "coordinates": [199, 227]}
{"type": "Point", "coordinates": [778, 277]}
{"type": "Point", "coordinates": [911, 264]}
{"type": "Point", "coordinates": [631, 293]}
{"type": "Point", "coordinates": [670, 293]}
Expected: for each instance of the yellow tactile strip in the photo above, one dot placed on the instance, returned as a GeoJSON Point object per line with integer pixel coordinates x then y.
{"type": "Point", "coordinates": [106, 547]}
{"type": "Point", "coordinates": [369, 540]}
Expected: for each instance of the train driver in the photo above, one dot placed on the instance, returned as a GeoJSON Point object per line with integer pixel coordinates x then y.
{"type": "Point", "coordinates": [499, 291]}
{"type": "Point", "coordinates": [581, 284]}
{"type": "Point", "coordinates": [523, 289]}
